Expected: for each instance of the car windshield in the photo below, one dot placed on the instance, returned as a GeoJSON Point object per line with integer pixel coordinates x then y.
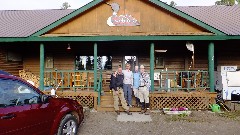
{"type": "Point", "coordinates": [13, 92]}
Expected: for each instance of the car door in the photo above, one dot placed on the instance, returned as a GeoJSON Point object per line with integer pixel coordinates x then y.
{"type": "Point", "coordinates": [21, 110]}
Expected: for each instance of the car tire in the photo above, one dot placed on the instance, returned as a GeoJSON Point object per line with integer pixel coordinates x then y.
{"type": "Point", "coordinates": [68, 125]}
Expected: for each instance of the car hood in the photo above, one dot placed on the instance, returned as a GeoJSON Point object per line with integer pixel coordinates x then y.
{"type": "Point", "coordinates": [65, 100]}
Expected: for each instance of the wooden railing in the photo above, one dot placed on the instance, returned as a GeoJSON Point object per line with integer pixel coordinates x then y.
{"type": "Point", "coordinates": [181, 80]}
{"type": "Point", "coordinates": [70, 79]}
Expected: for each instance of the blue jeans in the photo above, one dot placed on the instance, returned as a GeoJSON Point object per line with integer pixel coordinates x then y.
{"type": "Point", "coordinates": [127, 93]}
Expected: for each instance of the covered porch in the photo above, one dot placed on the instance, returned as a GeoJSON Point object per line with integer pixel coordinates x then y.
{"type": "Point", "coordinates": [69, 65]}
{"type": "Point", "coordinates": [94, 82]}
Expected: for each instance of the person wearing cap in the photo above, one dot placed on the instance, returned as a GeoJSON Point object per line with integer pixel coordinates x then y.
{"type": "Point", "coordinates": [136, 78]}
{"type": "Point", "coordinates": [144, 87]}
{"type": "Point", "coordinates": [116, 84]}
{"type": "Point", "coordinates": [127, 84]}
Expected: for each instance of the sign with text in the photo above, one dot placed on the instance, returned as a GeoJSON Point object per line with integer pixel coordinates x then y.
{"type": "Point", "coordinates": [121, 20]}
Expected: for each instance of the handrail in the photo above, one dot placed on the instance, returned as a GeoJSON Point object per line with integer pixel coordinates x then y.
{"type": "Point", "coordinates": [99, 88]}
{"type": "Point", "coordinates": [173, 80]}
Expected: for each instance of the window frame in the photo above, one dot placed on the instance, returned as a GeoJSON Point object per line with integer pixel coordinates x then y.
{"type": "Point", "coordinates": [49, 64]}
{"type": "Point", "coordinates": [156, 62]}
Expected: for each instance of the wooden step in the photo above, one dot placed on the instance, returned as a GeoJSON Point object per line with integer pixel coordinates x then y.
{"type": "Point", "coordinates": [107, 102]}
{"type": "Point", "coordinates": [110, 108]}
{"type": "Point", "coordinates": [106, 97]}
{"type": "Point", "coordinates": [111, 102]}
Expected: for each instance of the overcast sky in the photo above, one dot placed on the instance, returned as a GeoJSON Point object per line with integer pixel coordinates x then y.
{"type": "Point", "coordinates": [56, 4]}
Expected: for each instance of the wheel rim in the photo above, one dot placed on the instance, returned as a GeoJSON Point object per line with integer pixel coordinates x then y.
{"type": "Point", "coordinates": [70, 128]}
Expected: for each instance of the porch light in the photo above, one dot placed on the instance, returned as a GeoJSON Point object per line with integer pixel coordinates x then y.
{"type": "Point", "coordinates": [69, 47]}
{"type": "Point", "coordinates": [163, 51]}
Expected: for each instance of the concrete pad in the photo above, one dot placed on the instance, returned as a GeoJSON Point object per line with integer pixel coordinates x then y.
{"type": "Point", "coordinates": [135, 117]}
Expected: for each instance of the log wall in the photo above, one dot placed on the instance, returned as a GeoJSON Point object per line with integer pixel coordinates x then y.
{"type": "Point", "coordinates": [12, 67]}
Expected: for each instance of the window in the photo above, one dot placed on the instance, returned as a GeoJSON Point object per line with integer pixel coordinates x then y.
{"type": "Point", "coordinates": [159, 62]}
{"type": "Point", "coordinates": [87, 62]}
{"type": "Point", "coordinates": [49, 61]}
{"type": "Point", "coordinates": [14, 56]}
{"type": "Point", "coordinates": [13, 93]}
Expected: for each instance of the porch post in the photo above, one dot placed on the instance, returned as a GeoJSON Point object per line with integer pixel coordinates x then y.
{"type": "Point", "coordinates": [211, 66]}
{"type": "Point", "coordinates": [95, 66]}
{"type": "Point", "coordinates": [42, 67]}
{"type": "Point", "coordinates": [152, 66]}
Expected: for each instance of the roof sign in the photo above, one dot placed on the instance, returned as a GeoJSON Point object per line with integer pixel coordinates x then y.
{"type": "Point", "coordinates": [121, 20]}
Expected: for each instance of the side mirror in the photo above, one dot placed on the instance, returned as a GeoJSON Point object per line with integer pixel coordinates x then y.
{"type": "Point", "coordinates": [45, 98]}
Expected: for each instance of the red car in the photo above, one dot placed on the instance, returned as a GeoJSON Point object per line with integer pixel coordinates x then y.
{"type": "Point", "coordinates": [25, 110]}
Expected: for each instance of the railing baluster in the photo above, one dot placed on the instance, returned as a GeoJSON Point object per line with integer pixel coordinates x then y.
{"type": "Point", "coordinates": [174, 80]}
{"type": "Point", "coordinates": [181, 79]}
{"type": "Point", "coordinates": [195, 78]}
{"type": "Point", "coordinates": [63, 83]}
{"type": "Point", "coordinates": [188, 81]}
{"type": "Point", "coordinates": [167, 81]}
{"type": "Point", "coordinates": [74, 81]}
{"type": "Point", "coordinates": [68, 84]}
{"type": "Point", "coordinates": [160, 82]}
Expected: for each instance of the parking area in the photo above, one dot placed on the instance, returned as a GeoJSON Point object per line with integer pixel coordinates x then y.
{"type": "Point", "coordinates": [199, 122]}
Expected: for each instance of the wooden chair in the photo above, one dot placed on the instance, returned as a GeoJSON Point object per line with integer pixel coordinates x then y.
{"type": "Point", "coordinates": [56, 78]}
{"type": "Point", "coordinates": [90, 79]}
{"type": "Point", "coordinates": [79, 79]}
{"type": "Point", "coordinates": [84, 78]}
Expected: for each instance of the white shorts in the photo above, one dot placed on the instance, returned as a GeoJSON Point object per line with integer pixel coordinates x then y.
{"type": "Point", "coordinates": [143, 94]}
{"type": "Point", "coordinates": [135, 91]}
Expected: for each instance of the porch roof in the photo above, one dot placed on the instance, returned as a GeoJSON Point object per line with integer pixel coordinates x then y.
{"type": "Point", "coordinates": [121, 38]}
{"type": "Point", "coordinates": [24, 23]}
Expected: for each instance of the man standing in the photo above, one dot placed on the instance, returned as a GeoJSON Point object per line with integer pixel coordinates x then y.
{"type": "Point", "coordinates": [116, 85]}
{"type": "Point", "coordinates": [144, 87]}
{"type": "Point", "coordinates": [136, 80]}
{"type": "Point", "coordinates": [127, 84]}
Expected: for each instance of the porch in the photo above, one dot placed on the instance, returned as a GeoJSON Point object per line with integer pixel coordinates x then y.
{"type": "Point", "coordinates": [193, 95]}
{"type": "Point", "coordinates": [176, 80]}
{"type": "Point", "coordinates": [177, 69]}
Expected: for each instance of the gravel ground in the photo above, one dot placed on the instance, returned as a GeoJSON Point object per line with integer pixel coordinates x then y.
{"type": "Point", "coordinates": [198, 123]}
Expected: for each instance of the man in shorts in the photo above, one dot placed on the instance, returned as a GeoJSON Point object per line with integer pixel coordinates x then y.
{"type": "Point", "coordinates": [144, 88]}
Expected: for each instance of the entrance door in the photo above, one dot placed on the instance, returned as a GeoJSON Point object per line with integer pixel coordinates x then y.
{"type": "Point", "coordinates": [132, 60]}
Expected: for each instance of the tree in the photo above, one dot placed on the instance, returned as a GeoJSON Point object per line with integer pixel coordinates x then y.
{"type": "Point", "coordinates": [99, 62]}
{"type": "Point", "coordinates": [225, 2]}
{"type": "Point", "coordinates": [238, 1]}
{"type": "Point", "coordinates": [108, 63]}
{"type": "Point", "coordinates": [173, 4]}
{"type": "Point", "coordinates": [89, 63]}
{"type": "Point", "coordinates": [65, 5]}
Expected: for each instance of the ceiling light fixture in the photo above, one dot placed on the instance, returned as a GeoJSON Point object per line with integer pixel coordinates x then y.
{"type": "Point", "coordinates": [163, 51]}
{"type": "Point", "coordinates": [69, 47]}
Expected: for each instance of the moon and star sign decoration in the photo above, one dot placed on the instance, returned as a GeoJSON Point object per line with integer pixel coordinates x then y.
{"type": "Point", "coordinates": [121, 20]}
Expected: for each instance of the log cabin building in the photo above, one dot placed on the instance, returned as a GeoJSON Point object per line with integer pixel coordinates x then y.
{"type": "Point", "coordinates": [79, 49]}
